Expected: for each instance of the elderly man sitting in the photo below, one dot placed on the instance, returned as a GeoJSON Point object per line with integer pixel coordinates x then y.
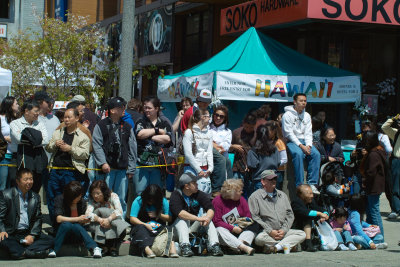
{"type": "Point", "coordinates": [305, 211]}
{"type": "Point", "coordinates": [271, 209]}
{"type": "Point", "coordinates": [21, 220]}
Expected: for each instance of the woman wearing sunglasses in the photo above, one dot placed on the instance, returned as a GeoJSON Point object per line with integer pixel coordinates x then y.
{"type": "Point", "coordinates": [222, 139]}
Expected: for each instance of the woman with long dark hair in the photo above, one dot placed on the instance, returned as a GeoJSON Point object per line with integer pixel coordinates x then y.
{"type": "Point", "coordinates": [373, 170]}
{"type": "Point", "coordinates": [105, 212]}
{"type": "Point", "coordinates": [149, 215]}
{"type": "Point", "coordinates": [9, 111]}
{"type": "Point", "coordinates": [263, 156]}
{"type": "Point", "coordinates": [70, 215]}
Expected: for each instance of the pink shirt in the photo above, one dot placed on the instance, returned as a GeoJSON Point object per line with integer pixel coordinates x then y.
{"type": "Point", "coordinates": [345, 226]}
{"type": "Point", "coordinates": [223, 206]}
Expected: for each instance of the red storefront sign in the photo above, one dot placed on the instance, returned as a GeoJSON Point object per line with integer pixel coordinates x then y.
{"type": "Point", "coordinates": [262, 13]}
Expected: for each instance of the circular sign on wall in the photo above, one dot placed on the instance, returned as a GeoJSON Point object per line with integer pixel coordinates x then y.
{"type": "Point", "coordinates": [156, 32]}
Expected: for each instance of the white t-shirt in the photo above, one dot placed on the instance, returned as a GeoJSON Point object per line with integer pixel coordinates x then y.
{"type": "Point", "coordinates": [5, 130]}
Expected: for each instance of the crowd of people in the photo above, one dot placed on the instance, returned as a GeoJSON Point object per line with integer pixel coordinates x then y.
{"type": "Point", "coordinates": [106, 176]}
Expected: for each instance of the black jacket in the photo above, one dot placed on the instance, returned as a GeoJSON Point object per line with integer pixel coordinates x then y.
{"type": "Point", "coordinates": [10, 212]}
{"type": "Point", "coordinates": [336, 152]}
{"type": "Point", "coordinates": [302, 212]}
{"type": "Point", "coordinates": [198, 200]}
{"type": "Point", "coordinates": [30, 152]}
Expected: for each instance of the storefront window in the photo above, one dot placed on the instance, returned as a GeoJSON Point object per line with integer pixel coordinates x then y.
{"type": "Point", "coordinates": [6, 10]}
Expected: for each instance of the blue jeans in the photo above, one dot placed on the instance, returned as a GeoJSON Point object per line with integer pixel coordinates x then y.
{"type": "Point", "coordinates": [4, 173]}
{"type": "Point", "coordinates": [145, 177]}
{"type": "Point", "coordinates": [57, 180]}
{"type": "Point", "coordinates": [74, 233]}
{"type": "Point", "coordinates": [361, 240]}
{"type": "Point", "coordinates": [373, 211]}
{"type": "Point", "coordinates": [343, 237]}
{"type": "Point", "coordinates": [118, 183]}
{"type": "Point", "coordinates": [279, 181]}
{"type": "Point", "coordinates": [246, 183]}
{"type": "Point", "coordinates": [222, 170]}
{"type": "Point", "coordinates": [396, 184]}
{"type": "Point", "coordinates": [314, 161]}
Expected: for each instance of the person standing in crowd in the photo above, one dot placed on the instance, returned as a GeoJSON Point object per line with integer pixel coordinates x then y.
{"type": "Point", "coordinates": [152, 134]}
{"type": "Point", "coordinates": [21, 220]}
{"type": "Point", "coordinates": [243, 139]}
{"type": "Point", "coordinates": [316, 129]}
{"type": "Point", "coordinates": [271, 209]}
{"type": "Point", "coordinates": [9, 111]}
{"type": "Point", "coordinates": [231, 234]}
{"type": "Point", "coordinates": [149, 215]}
{"type": "Point", "coordinates": [70, 149]}
{"type": "Point", "coordinates": [197, 147]}
{"type": "Point", "coordinates": [321, 115]}
{"type": "Point", "coordinates": [30, 134]}
{"type": "Point", "coordinates": [222, 139]}
{"type": "Point", "coordinates": [135, 108]}
{"type": "Point", "coordinates": [107, 222]}
{"type": "Point", "coordinates": [390, 128]}
{"type": "Point", "coordinates": [70, 208]}
{"type": "Point", "coordinates": [384, 141]}
{"type": "Point", "coordinates": [185, 204]}
{"type": "Point", "coordinates": [297, 129]}
{"type": "Point", "coordinates": [306, 211]}
{"type": "Point", "coordinates": [329, 150]}
{"type": "Point", "coordinates": [115, 150]}
{"type": "Point", "coordinates": [373, 171]}
{"type": "Point", "coordinates": [263, 156]}
{"type": "Point", "coordinates": [357, 224]}
{"type": "Point", "coordinates": [274, 130]}
{"type": "Point", "coordinates": [185, 104]}
{"type": "Point", "coordinates": [89, 119]}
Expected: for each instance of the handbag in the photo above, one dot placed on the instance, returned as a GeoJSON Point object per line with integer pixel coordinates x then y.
{"type": "Point", "coordinates": [167, 157]}
{"type": "Point", "coordinates": [372, 231]}
{"type": "Point", "coordinates": [327, 236]}
{"type": "Point", "coordinates": [162, 242]}
{"type": "Point", "coordinates": [243, 222]}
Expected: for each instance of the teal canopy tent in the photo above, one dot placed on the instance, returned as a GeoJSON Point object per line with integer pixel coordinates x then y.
{"type": "Point", "coordinates": [257, 68]}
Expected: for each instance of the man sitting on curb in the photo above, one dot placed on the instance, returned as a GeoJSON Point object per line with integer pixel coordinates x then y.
{"type": "Point", "coordinates": [271, 209]}
{"type": "Point", "coordinates": [185, 204]}
{"type": "Point", "coordinates": [21, 220]}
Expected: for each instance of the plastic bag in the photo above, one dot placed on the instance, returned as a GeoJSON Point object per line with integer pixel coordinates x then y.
{"type": "Point", "coordinates": [327, 236]}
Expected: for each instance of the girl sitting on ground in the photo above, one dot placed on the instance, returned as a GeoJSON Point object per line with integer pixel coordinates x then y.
{"type": "Point", "coordinates": [341, 228]}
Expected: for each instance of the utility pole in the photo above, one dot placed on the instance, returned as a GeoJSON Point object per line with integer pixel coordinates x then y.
{"type": "Point", "coordinates": [126, 58]}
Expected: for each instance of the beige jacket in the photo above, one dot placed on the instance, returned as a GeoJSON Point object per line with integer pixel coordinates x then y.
{"type": "Point", "coordinates": [271, 213]}
{"type": "Point", "coordinates": [391, 132]}
{"type": "Point", "coordinates": [79, 148]}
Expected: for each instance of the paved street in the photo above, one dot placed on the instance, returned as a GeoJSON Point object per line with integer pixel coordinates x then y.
{"type": "Point", "coordinates": [389, 257]}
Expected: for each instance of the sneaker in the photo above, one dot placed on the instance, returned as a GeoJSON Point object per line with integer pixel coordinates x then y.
{"type": "Point", "coordinates": [314, 190]}
{"type": "Point", "coordinates": [186, 250]}
{"type": "Point", "coordinates": [97, 253]}
{"type": "Point", "coordinates": [392, 216]}
{"type": "Point", "coordinates": [382, 246]}
{"type": "Point", "coordinates": [269, 249]}
{"type": "Point", "coordinates": [52, 254]}
{"type": "Point", "coordinates": [216, 250]}
{"type": "Point", "coordinates": [343, 247]}
{"type": "Point", "coordinates": [352, 247]}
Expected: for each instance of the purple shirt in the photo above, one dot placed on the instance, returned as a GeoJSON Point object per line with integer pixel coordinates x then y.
{"type": "Point", "coordinates": [223, 206]}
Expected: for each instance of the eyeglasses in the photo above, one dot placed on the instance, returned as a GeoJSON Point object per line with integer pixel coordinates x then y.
{"type": "Point", "coordinates": [219, 116]}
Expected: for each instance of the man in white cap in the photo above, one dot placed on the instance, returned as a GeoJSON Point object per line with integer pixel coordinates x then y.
{"type": "Point", "coordinates": [271, 209]}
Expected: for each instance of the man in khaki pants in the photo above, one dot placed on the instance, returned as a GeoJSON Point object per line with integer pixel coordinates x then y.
{"type": "Point", "coordinates": [271, 209]}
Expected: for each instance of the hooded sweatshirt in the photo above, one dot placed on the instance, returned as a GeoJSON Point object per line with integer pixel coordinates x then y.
{"type": "Point", "coordinates": [297, 126]}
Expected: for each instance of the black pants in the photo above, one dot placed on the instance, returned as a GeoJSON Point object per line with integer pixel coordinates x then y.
{"type": "Point", "coordinates": [141, 237]}
{"type": "Point", "coordinates": [15, 248]}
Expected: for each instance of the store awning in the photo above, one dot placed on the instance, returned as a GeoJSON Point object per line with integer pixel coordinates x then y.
{"type": "Point", "coordinates": [257, 68]}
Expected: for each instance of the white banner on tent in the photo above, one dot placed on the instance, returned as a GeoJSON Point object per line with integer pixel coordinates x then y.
{"type": "Point", "coordinates": [276, 88]}
{"type": "Point", "coordinates": [173, 90]}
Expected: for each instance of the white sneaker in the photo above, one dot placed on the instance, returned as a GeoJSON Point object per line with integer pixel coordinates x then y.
{"type": "Point", "coordinates": [97, 253]}
{"type": "Point", "coordinates": [352, 247]}
{"type": "Point", "coordinates": [343, 247]}
{"type": "Point", "coordinates": [382, 246]}
{"type": "Point", "coordinates": [314, 190]}
{"type": "Point", "coordinates": [52, 254]}
{"type": "Point", "coordinates": [392, 216]}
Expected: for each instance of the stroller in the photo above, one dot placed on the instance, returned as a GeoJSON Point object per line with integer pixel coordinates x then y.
{"type": "Point", "coordinates": [327, 199]}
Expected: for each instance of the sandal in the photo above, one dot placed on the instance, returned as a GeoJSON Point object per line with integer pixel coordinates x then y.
{"type": "Point", "coordinates": [174, 255]}
{"type": "Point", "coordinates": [151, 256]}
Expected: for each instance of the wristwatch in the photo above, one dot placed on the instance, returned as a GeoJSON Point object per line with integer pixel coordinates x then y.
{"type": "Point", "coordinates": [157, 130]}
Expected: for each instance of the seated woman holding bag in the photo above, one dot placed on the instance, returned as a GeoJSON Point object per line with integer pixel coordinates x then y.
{"type": "Point", "coordinates": [149, 215]}
{"type": "Point", "coordinates": [105, 212]}
{"type": "Point", "coordinates": [70, 210]}
{"type": "Point", "coordinates": [232, 218]}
